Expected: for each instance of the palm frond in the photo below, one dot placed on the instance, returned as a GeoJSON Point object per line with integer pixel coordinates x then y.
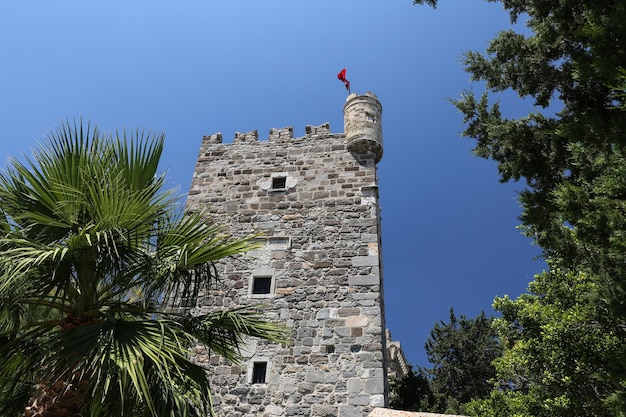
{"type": "Point", "coordinates": [139, 156]}
{"type": "Point", "coordinates": [225, 331]}
{"type": "Point", "coordinates": [187, 246]}
{"type": "Point", "coordinates": [126, 359]}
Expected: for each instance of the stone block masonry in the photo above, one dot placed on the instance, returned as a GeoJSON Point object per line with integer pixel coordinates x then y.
{"type": "Point", "coordinates": [318, 270]}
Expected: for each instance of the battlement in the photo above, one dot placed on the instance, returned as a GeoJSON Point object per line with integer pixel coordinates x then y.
{"type": "Point", "coordinates": [275, 135]}
{"type": "Point", "coordinates": [363, 135]}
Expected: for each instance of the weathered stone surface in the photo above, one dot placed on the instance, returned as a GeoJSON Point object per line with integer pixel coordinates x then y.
{"type": "Point", "coordinates": [350, 411]}
{"type": "Point", "coordinates": [368, 260]}
{"type": "Point", "coordinates": [366, 280]}
{"type": "Point", "coordinates": [322, 410]}
{"type": "Point", "coordinates": [315, 376]}
{"type": "Point", "coordinates": [375, 386]}
{"type": "Point", "coordinates": [377, 400]}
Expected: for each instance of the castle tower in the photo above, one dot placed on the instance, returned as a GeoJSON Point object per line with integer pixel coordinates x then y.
{"type": "Point", "coordinates": [319, 270]}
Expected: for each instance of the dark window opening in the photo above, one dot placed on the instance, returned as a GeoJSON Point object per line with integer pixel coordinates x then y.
{"type": "Point", "coordinates": [259, 372]}
{"type": "Point", "coordinates": [279, 183]}
{"type": "Point", "coordinates": [261, 285]}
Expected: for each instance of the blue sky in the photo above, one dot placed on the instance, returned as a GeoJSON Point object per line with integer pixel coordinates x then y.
{"type": "Point", "coordinates": [197, 67]}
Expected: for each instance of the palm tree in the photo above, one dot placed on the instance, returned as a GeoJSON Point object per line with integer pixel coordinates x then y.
{"type": "Point", "coordinates": [97, 261]}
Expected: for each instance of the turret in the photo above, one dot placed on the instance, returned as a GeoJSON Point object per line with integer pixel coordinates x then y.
{"type": "Point", "coordinates": [363, 127]}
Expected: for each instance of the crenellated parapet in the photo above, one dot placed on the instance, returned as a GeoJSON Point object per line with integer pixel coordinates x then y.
{"type": "Point", "coordinates": [313, 131]}
{"type": "Point", "coordinates": [214, 138]}
{"type": "Point", "coordinates": [283, 134]}
{"type": "Point", "coordinates": [246, 137]}
{"type": "Point", "coordinates": [363, 130]}
{"type": "Point", "coordinates": [275, 135]}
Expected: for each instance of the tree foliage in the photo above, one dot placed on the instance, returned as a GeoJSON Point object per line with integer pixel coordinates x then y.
{"type": "Point", "coordinates": [411, 392]}
{"type": "Point", "coordinates": [461, 353]}
{"type": "Point", "coordinates": [570, 149]}
{"type": "Point", "coordinates": [560, 348]}
{"type": "Point", "coordinates": [571, 152]}
{"type": "Point", "coordinates": [96, 258]}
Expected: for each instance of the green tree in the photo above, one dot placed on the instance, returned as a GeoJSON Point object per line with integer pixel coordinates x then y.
{"type": "Point", "coordinates": [558, 351]}
{"type": "Point", "coordinates": [96, 259]}
{"type": "Point", "coordinates": [570, 148]}
{"type": "Point", "coordinates": [461, 352]}
{"type": "Point", "coordinates": [571, 152]}
{"type": "Point", "coordinates": [411, 392]}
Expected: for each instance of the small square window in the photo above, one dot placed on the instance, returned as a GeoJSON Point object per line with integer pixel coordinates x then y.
{"type": "Point", "coordinates": [278, 243]}
{"type": "Point", "coordinates": [259, 372]}
{"type": "Point", "coordinates": [261, 285]}
{"type": "Point", "coordinates": [279, 183]}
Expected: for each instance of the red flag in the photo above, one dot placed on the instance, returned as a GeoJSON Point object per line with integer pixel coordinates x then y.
{"type": "Point", "coordinates": [342, 77]}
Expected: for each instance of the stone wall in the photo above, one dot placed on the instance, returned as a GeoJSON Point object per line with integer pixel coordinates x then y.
{"type": "Point", "coordinates": [316, 207]}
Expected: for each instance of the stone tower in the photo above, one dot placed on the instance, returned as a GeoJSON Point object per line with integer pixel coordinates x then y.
{"type": "Point", "coordinates": [319, 270]}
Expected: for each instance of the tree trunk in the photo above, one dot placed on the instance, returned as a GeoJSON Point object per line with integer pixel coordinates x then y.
{"type": "Point", "coordinates": [65, 397]}
{"type": "Point", "coordinates": [60, 399]}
